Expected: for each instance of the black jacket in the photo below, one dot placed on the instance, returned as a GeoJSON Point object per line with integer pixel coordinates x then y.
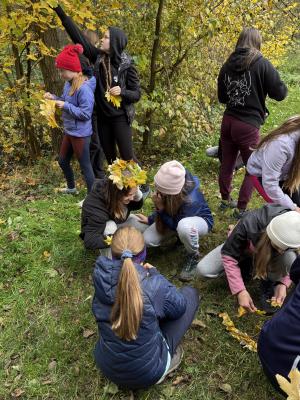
{"type": "Point", "coordinates": [244, 91]}
{"type": "Point", "coordinates": [123, 71]}
{"type": "Point", "coordinates": [250, 228]}
{"type": "Point", "coordinates": [95, 214]}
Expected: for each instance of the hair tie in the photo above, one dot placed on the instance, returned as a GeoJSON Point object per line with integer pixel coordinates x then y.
{"type": "Point", "coordinates": [126, 254]}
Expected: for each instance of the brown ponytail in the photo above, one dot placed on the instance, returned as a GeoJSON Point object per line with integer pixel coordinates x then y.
{"type": "Point", "coordinates": [127, 310]}
{"type": "Point", "coordinates": [263, 253]}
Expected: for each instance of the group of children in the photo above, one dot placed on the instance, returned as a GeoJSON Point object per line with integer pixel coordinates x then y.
{"type": "Point", "coordinates": [141, 316]}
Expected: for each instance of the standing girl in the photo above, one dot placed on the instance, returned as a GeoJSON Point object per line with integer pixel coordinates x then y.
{"type": "Point", "coordinates": [110, 202]}
{"type": "Point", "coordinates": [116, 76]}
{"type": "Point", "coordinates": [180, 208]}
{"type": "Point", "coordinates": [141, 316]}
{"type": "Point", "coordinates": [77, 103]}
{"type": "Point", "coordinates": [265, 241]}
{"type": "Point", "coordinates": [275, 165]}
{"type": "Point", "coordinates": [244, 82]}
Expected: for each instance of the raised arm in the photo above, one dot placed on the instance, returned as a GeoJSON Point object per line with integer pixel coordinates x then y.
{"type": "Point", "coordinates": [76, 35]}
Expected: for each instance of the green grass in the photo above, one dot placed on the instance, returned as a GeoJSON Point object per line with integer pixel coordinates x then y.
{"type": "Point", "coordinates": [46, 292]}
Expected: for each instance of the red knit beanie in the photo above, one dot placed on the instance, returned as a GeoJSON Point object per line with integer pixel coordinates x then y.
{"type": "Point", "coordinates": [68, 58]}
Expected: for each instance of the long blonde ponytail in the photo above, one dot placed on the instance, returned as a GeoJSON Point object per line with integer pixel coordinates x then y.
{"type": "Point", "coordinates": [127, 310]}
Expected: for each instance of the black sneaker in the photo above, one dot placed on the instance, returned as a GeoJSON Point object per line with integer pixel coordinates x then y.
{"type": "Point", "coordinates": [188, 272]}
{"type": "Point", "coordinates": [225, 204]}
{"type": "Point", "coordinates": [239, 213]}
{"type": "Point", "coordinates": [145, 189]}
{"type": "Point", "coordinates": [267, 292]}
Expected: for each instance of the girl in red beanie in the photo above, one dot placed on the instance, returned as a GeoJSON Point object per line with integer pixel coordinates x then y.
{"type": "Point", "coordinates": [77, 103]}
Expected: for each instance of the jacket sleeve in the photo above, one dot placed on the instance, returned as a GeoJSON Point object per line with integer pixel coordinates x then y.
{"type": "Point", "coordinates": [92, 227]}
{"type": "Point", "coordinates": [233, 274]}
{"type": "Point", "coordinates": [222, 92]}
{"type": "Point", "coordinates": [132, 92]}
{"type": "Point", "coordinates": [168, 302]}
{"type": "Point", "coordinates": [295, 271]}
{"type": "Point", "coordinates": [274, 159]}
{"type": "Point", "coordinates": [86, 105]}
{"type": "Point", "coordinates": [276, 89]}
{"type": "Point", "coordinates": [76, 35]}
{"type": "Point", "coordinates": [137, 202]}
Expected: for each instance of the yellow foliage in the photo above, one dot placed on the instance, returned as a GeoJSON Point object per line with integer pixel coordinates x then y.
{"type": "Point", "coordinates": [243, 338]}
{"type": "Point", "coordinates": [115, 100]}
{"type": "Point", "coordinates": [292, 388]}
{"type": "Point", "coordinates": [242, 311]}
{"type": "Point", "coordinates": [48, 109]}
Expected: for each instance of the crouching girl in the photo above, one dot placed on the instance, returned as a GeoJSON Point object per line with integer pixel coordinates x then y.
{"type": "Point", "coordinates": [141, 316]}
{"type": "Point", "coordinates": [110, 202]}
{"type": "Point", "coordinates": [264, 243]}
{"type": "Point", "coordinates": [180, 208]}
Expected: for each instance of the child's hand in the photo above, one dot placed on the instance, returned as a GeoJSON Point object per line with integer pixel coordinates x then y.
{"type": "Point", "coordinates": [245, 300]}
{"type": "Point", "coordinates": [59, 103]}
{"type": "Point", "coordinates": [279, 293]}
{"type": "Point", "coordinates": [147, 266]}
{"type": "Point", "coordinates": [115, 91]}
{"type": "Point", "coordinates": [158, 201]}
{"type": "Point", "coordinates": [142, 218]}
{"type": "Point", "coordinates": [48, 96]}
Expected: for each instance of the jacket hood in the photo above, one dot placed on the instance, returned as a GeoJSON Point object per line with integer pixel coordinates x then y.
{"type": "Point", "coordinates": [91, 83]}
{"type": "Point", "coordinates": [237, 60]}
{"type": "Point", "coordinates": [106, 276]}
{"type": "Point", "coordinates": [118, 42]}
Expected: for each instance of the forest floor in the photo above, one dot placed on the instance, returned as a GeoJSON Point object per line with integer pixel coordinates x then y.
{"type": "Point", "coordinates": [47, 330]}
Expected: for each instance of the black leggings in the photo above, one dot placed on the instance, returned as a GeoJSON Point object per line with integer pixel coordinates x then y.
{"type": "Point", "coordinates": [116, 132]}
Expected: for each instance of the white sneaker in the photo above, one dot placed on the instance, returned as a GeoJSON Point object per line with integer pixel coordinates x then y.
{"type": "Point", "coordinates": [80, 203]}
{"type": "Point", "coordinates": [67, 190]}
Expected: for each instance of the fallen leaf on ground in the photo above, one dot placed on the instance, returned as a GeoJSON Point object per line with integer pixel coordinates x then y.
{"type": "Point", "coordinates": [87, 333]}
{"type": "Point", "coordinates": [211, 311]}
{"type": "Point", "coordinates": [46, 254]}
{"type": "Point", "coordinates": [47, 382]}
{"type": "Point", "coordinates": [242, 311]}
{"type": "Point", "coordinates": [242, 337]}
{"type": "Point", "coordinates": [197, 323]}
{"type": "Point", "coordinates": [111, 388]}
{"type": "Point", "coordinates": [17, 393]}
{"type": "Point", "coordinates": [52, 365]}
{"type": "Point", "coordinates": [292, 388]}
{"type": "Point", "coordinates": [52, 272]}
{"type": "Point", "coordinates": [179, 379]}
{"type": "Point", "coordinates": [225, 387]}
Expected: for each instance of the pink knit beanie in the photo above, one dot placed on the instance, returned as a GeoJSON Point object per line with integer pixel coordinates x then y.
{"type": "Point", "coordinates": [170, 178]}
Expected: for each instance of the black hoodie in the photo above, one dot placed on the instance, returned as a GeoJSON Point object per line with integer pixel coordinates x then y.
{"type": "Point", "coordinates": [123, 72]}
{"type": "Point", "coordinates": [244, 90]}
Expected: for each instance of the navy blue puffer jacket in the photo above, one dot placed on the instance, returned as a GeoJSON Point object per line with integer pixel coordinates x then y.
{"type": "Point", "coordinates": [279, 340]}
{"type": "Point", "coordinates": [138, 363]}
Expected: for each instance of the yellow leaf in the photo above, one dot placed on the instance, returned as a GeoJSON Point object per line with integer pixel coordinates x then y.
{"type": "Point", "coordinates": [115, 100]}
{"type": "Point", "coordinates": [46, 254]}
{"type": "Point", "coordinates": [242, 311]}
{"type": "Point", "coordinates": [108, 240]}
{"type": "Point", "coordinates": [242, 337]}
{"type": "Point", "coordinates": [292, 388]}
{"type": "Point", "coordinates": [48, 109]}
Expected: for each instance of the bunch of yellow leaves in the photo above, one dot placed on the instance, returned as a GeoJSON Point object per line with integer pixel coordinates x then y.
{"type": "Point", "coordinates": [292, 388]}
{"type": "Point", "coordinates": [242, 337]}
{"type": "Point", "coordinates": [108, 240]}
{"type": "Point", "coordinates": [242, 311]}
{"type": "Point", "coordinates": [115, 100]}
{"type": "Point", "coordinates": [48, 110]}
{"type": "Point", "coordinates": [126, 174]}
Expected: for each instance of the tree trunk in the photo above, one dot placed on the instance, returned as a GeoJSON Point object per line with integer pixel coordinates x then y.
{"type": "Point", "coordinates": [53, 83]}
{"type": "Point", "coordinates": [149, 115]}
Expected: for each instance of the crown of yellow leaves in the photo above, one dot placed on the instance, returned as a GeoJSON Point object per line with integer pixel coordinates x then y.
{"type": "Point", "coordinates": [126, 174]}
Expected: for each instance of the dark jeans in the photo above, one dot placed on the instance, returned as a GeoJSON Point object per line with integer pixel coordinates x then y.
{"type": "Point", "coordinates": [79, 146]}
{"type": "Point", "coordinates": [257, 181]}
{"type": "Point", "coordinates": [96, 152]}
{"type": "Point", "coordinates": [174, 330]}
{"type": "Point", "coordinates": [116, 132]}
{"type": "Point", "coordinates": [236, 136]}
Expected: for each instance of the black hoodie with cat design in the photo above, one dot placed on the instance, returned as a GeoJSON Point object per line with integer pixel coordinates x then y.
{"type": "Point", "coordinates": [244, 90]}
{"type": "Point", "coordinates": [123, 72]}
